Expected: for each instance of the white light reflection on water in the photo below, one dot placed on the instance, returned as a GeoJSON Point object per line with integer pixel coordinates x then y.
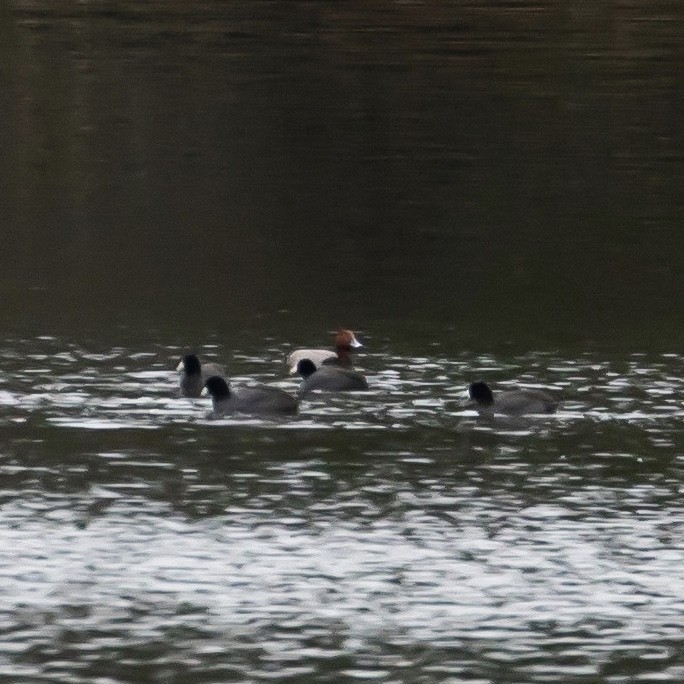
{"type": "Point", "coordinates": [388, 535]}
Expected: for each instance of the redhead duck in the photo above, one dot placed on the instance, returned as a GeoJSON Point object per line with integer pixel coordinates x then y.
{"type": "Point", "coordinates": [345, 341]}
{"type": "Point", "coordinates": [329, 378]}
{"type": "Point", "coordinates": [511, 402]}
{"type": "Point", "coordinates": [253, 400]}
{"type": "Point", "coordinates": [192, 375]}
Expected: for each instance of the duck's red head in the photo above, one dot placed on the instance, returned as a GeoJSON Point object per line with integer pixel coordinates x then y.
{"type": "Point", "coordinates": [346, 340]}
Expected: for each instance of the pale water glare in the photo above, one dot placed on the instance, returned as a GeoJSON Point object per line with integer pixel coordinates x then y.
{"type": "Point", "coordinates": [385, 536]}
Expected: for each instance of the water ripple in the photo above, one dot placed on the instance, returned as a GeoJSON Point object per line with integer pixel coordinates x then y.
{"type": "Point", "coordinates": [388, 536]}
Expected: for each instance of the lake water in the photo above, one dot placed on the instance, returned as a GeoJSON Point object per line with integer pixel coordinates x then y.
{"type": "Point", "coordinates": [482, 191]}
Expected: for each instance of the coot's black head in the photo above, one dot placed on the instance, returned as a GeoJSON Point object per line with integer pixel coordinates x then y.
{"type": "Point", "coordinates": [217, 387]}
{"type": "Point", "coordinates": [306, 367]}
{"type": "Point", "coordinates": [481, 393]}
{"type": "Point", "coordinates": [191, 364]}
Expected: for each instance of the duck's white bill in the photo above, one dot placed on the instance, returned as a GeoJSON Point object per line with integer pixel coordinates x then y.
{"type": "Point", "coordinates": [204, 392]}
{"type": "Point", "coordinates": [355, 343]}
{"type": "Point", "coordinates": [464, 398]}
{"type": "Point", "coordinates": [180, 366]}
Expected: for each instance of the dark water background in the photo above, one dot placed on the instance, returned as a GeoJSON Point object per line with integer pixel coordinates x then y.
{"type": "Point", "coordinates": [480, 189]}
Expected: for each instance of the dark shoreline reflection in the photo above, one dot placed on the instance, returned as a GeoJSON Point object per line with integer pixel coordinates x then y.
{"type": "Point", "coordinates": [499, 170]}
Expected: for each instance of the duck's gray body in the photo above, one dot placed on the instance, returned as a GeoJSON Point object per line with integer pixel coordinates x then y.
{"type": "Point", "coordinates": [517, 402]}
{"type": "Point", "coordinates": [520, 402]}
{"type": "Point", "coordinates": [251, 400]}
{"type": "Point", "coordinates": [330, 378]}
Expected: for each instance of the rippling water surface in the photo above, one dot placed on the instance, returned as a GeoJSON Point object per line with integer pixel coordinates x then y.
{"type": "Point", "coordinates": [388, 536]}
{"type": "Point", "coordinates": [461, 180]}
